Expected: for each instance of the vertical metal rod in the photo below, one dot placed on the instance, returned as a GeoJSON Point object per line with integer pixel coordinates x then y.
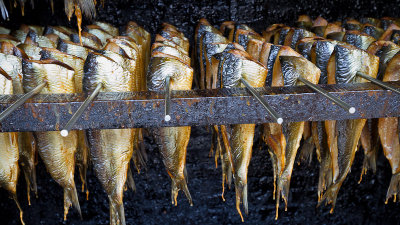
{"type": "Point", "coordinates": [64, 132]}
{"type": "Point", "coordinates": [334, 99]}
{"type": "Point", "coordinates": [21, 101]}
{"type": "Point", "coordinates": [378, 82]}
{"type": "Point", "coordinates": [167, 116]}
{"type": "Point", "coordinates": [264, 103]}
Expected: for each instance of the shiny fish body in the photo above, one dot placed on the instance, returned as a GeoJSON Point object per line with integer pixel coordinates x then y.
{"type": "Point", "coordinates": [76, 63]}
{"type": "Point", "coordinates": [389, 133]}
{"type": "Point", "coordinates": [74, 49]}
{"type": "Point", "coordinates": [344, 135]}
{"type": "Point", "coordinates": [57, 152]}
{"type": "Point", "coordinates": [172, 141]}
{"type": "Point", "coordinates": [111, 149]}
{"type": "Point", "coordinates": [9, 151]}
{"type": "Point", "coordinates": [238, 64]}
{"type": "Point", "coordinates": [358, 39]}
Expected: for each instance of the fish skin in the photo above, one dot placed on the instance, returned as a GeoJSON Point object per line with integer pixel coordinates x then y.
{"type": "Point", "coordinates": [358, 39]}
{"type": "Point", "coordinates": [389, 134]}
{"type": "Point", "coordinates": [99, 33]}
{"type": "Point", "coordinates": [74, 49]}
{"type": "Point", "coordinates": [88, 40]}
{"type": "Point", "coordinates": [295, 35]}
{"type": "Point", "coordinates": [107, 27]}
{"type": "Point", "coordinates": [32, 51]}
{"type": "Point", "coordinates": [373, 31]}
{"type": "Point", "coordinates": [238, 64]}
{"type": "Point", "coordinates": [342, 67]}
{"type": "Point", "coordinates": [111, 149]}
{"type": "Point", "coordinates": [207, 38]}
{"type": "Point", "coordinates": [172, 141]}
{"type": "Point", "coordinates": [57, 152]}
{"type": "Point", "coordinates": [174, 52]}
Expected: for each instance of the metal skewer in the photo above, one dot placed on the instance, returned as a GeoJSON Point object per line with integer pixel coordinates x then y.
{"type": "Point", "coordinates": [64, 132]}
{"type": "Point", "coordinates": [167, 116]}
{"type": "Point", "coordinates": [336, 100]}
{"type": "Point", "coordinates": [378, 82]}
{"type": "Point", "coordinates": [21, 101]}
{"type": "Point", "coordinates": [264, 103]}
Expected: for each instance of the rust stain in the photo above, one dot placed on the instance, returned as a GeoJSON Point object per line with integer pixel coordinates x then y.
{"type": "Point", "coordinates": [57, 126]}
{"type": "Point", "coordinates": [178, 117]}
{"type": "Point", "coordinates": [248, 102]}
{"type": "Point", "coordinates": [192, 101]}
{"type": "Point", "coordinates": [144, 104]}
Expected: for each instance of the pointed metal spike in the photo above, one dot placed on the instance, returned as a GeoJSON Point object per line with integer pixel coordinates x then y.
{"type": "Point", "coordinates": [167, 99]}
{"type": "Point", "coordinates": [64, 132]}
{"type": "Point", "coordinates": [334, 99]}
{"type": "Point", "coordinates": [264, 103]}
{"type": "Point", "coordinates": [378, 82]}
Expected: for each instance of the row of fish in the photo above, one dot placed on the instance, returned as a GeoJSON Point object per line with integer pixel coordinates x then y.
{"type": "Point", "coordinates": [33, 55]}
{"type": "Point", "coordinates": [73, 62]}
{"type": "Point", "coordinates": [322, 53]}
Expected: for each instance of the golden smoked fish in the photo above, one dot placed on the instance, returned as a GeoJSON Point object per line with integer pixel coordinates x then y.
{"type": "Point", "coordinates": [82, 152]}
{"type": "Point", "coordinates": [12, 65]}
{"type": "Point", "coordinates": [57, 152]}
{"type": "Point", "coordinates": [172, 141]}
{"type": "Point", "coordinates": [343, 136]}
{"type": "Point", "coordinates": [9, 151]}
{"type": "Point", "coordinates": [286, 71]}
{"type": "Point", "coordinates": [111, 149]}
{"type": "Point", "coordinates": [388, 130]}
{"type": "Point", "coordinates": [236, 65]}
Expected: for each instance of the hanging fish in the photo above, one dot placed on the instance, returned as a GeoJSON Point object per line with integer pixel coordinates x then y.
{"type": "Point", "coordinates": [111, 149]}
{"type": "Point", "coordinates": [9, 151]}
{"type": "Point", "coordinates": [343, 65]}
{"type": "Point", "coordinates": [172, 141]}
{"type": "Point", "coordinates": [57, 152]}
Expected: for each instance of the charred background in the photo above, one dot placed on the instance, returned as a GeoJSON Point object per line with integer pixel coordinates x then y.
{"type": "Point", "coordinates": [356, 204]}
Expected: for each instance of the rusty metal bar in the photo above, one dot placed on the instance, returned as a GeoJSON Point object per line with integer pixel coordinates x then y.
{"type": "Point", "coordinates": [199, 107]}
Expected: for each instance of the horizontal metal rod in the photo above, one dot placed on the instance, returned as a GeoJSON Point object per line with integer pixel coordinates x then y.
{"type": "Point", "coordinates": [321, 91]}
{"type": "Point", "coordinates": [21, 101]}
{"type": "Point", "coordinates": [64, 132]}
{"type": "Point", "coordinates": [378, 82]}
{"type": "Point", "coordinates": [47, 112]}
{"type": "Point", "coordinates": [259, 98]}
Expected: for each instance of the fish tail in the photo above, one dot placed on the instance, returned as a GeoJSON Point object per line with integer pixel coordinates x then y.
{"type": "Point", "coordinates": [241, 197]}
{"type": "Point", "coordinates": [394, 187]}
{"type": "Point", "coordinates": [274, 167]}
{"type": "Point", "coordinates": [330, 195]}
{"type": "Point", "coordinates": [31, 185]}
{"type": "Point", "coordinates": [71, 198]}
{"type": "Point", "coordinates": [369, 163]}
{"type": "Point", "coordinates": [180, 184]}
{"type": "Point", "coordinates": [21, 213]}
{"type": "Point", "coordinates": [117, 212]}
{"type": "Point", "coordinates": [306, 152]}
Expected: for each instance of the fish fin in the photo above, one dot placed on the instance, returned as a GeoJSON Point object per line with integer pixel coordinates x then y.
{"type": "Point", "coordinates": [21, 213]}
{"type": "Point", "coordinates": [282, 189]}
{"type": "Point", "coordinates": [71, 198]}
{"type": "Point", "coordinates": [394, 187]}
{"type": "Point", "coordinates": [180, 184]}
{"type": "Point", "coordinates": [306, 152]}
{"type": "Point", "coordinates": [274, 169]}
{"type": "Point", "coordinates": [117, 212]}
{"type": "Point", "coordinates": [88, 8]}
{"type": "Point", "coordinates": [369, 163]}
{"type": "Point", "coordinates": [330, 196]}
{"type": "Point", "coordinates": [130, 181]}
{"type": "Point", "coordinates": [3, 9]}
{"type": "Point", "coordinates": [241, 197]}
